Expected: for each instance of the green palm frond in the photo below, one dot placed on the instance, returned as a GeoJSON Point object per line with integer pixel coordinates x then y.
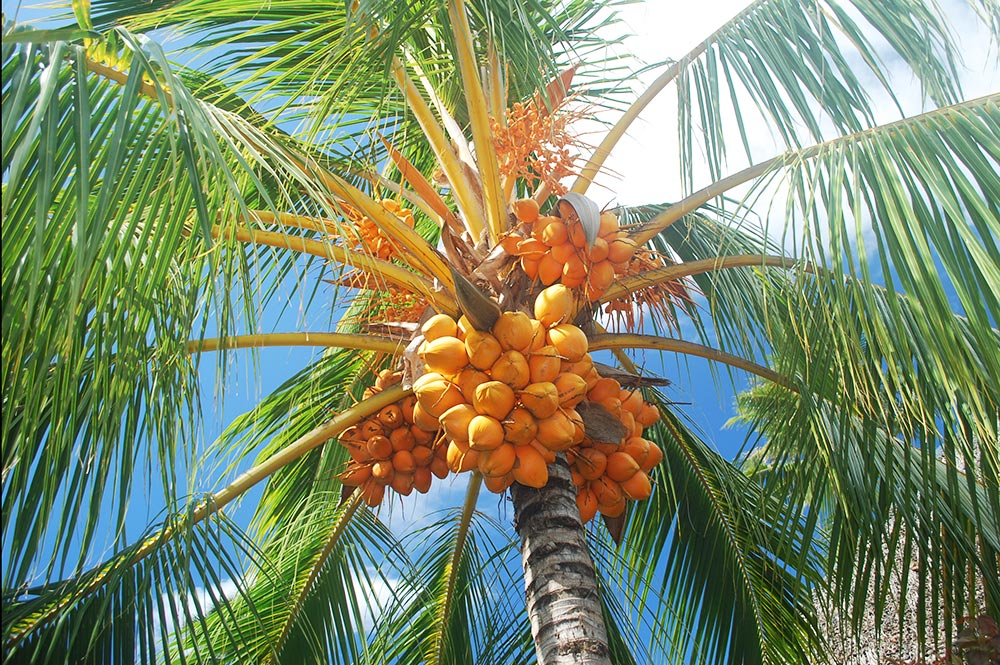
{"type": "Point", "coordinates": [329, 565]}
{"type": "Point", "coordinates": [142, 605]}
{"type": "Point", "coordinates": [721, 565]}
{"type": "Point", "coordinates": [798, 61]}
{"type": "Point", "coordinates": [463, 599]}
{"type": "Point", "coordinates": [886, 505]}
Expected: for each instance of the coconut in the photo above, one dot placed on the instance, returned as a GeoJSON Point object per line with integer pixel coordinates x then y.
{"type": "Point", "coordinates": [485, 433]}
{"type": "Point", "coordinates": [379, 447]}
{"type": "Point", "coordinates": [402, 483]}
{"type": "Point", "coordinates": [526, 210]}
{"type": "Point", "coordinates": [402, 439]}
{"type": "Point", "coordinates": [586, 501]}
{"type": "Point", "coordinates": [571, 389]}
{"type": "Point", "coordinates": [555, 305]}
{"type": "Point", "coordinates": [519, 426]}
{"type": "Point", "coordinates": [372, 493]}
{"type": "Point", "coordinates": [494, 398]}
{"type": "Point", "coordinates": [556, 432]}
{"type": "Point", "coordinates": [482, 349]}
{"type": "Point", "coordinates": [513, 330]}
{"type": "Point", "coordinates": [439, 325]}
{"type": "Point", "coordinates": [621, 466]}
{"type": "Point", "coordinates": [638, 487]}
{"type": "Point", "coordinates": [498, 461]}
{"type": "Point", "coordinates": [541, 399]}
{"type": "Point", "coordinates": [498, 484]}
{"type": "Point", "coordinates": [544, 364]}
{"type": "Point", "coordinates": [403, 461]}
{"type": "Point", "coordinates": [455, 421]}
{"type": "Point", "coordinates": [511, 368]}
{"type": "Point", "coordinates": [530, 468]}
{"type": "Point", "coordinates": [444, 355]}
{"type": "Point", "coordinates": [422, 479]}
{"type": "Point", "coordinates": [569, 340]}
{"type": "Point", "coordinates": [591, 463]}
{"type": "Point", "coordinates": [435, 395]}
{"type": "Point", "coordinates": [382, 471]}
{"type": "Point", "coordinates": [355, 474]}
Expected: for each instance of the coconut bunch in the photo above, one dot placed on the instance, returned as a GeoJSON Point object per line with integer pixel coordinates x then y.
{"type": "Point", "coordinates": [557, 250]}
{"type": "Point", "coordinates": [369, 236]}
{"type": "Point", "coordinates": [390, 450]}
{"type": "Point", "coordinates": [607, 473]}
{"type": "Point", "coordinates": [505, 397]}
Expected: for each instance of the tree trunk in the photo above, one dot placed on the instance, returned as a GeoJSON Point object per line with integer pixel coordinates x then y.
{"type": "Point", "coordinates": [560, 584]}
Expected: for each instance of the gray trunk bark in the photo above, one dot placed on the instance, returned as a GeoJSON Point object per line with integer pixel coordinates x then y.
{"type": "Point", "coordinates": [561, 587]}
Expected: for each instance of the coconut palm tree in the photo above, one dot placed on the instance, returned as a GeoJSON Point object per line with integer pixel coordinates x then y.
{"type": "Point", "coordinates": [406, 171]}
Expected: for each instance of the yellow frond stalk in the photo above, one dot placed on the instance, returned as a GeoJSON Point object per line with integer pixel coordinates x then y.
{"type": "Point", "coordinates": [454, 170]}
{"type": "Point", "coordinates": [382, 270]}
{"type": "Point", "coordinates": [339, 340]}
{"type": "Point", "coordinates": [479, 117]}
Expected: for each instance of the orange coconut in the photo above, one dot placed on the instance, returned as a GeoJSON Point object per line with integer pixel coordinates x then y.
{"type": "Point", "coordinates": [379, 447]}
{"type": "Point", "coordinates": [511, 368]}
{"type": "Point", "coordinates": [586, 502]}
{"type": "Point", "coordinates": [569, 340]}
{"type": "Point", "coordinates": [541, 399]}
{"type": "Point", "coordinates": [485, 433]}
{"type": "Point", "coordinates": [355, 474]}
{"type": "Point", "coordinates": [555, 305]}
{"type": "Point", "coordinates": [591, 463]}
{"type": "Point", "coordinates": [571, 389]}
{"type": "Point", "coordinates": [526, 210]}
{"type": "Point", "coordinates": [498, 461]}
{"type": "Point", "coordinates": [482, 349]}
{"type": "Point", "coordinates": [513, 330]}
{"type": "Point", "coordinates": [519, 426]}
{"type": "Point", "coordinates": [498, 484]}
{"type": "Point", "coordinates": [544, 364]}
{"type": "Point", "coordinates": [439, 325]}
{"type": "Point", "coordinates": [455, 421]}
{"type": "Point", "coordinates": [530, 468]}
{"type": "Point", "coordinates": [422, 479]}
{"type": "Point", "coordinates": [638, 487]}
{"type": "Point", "coordinates": [402, 439]}
{"type": "Point", "coordinates": [444, 355]}
{"type": "Point", "coordinates": [621, 466]}
{"type": "Point", "coordinates": [435, 395]}
{"type": "Point", "coordinates": [494, 398]}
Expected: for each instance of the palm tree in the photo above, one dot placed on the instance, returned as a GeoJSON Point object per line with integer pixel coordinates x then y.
{"type": "Point", "coordinates": [369, 156]}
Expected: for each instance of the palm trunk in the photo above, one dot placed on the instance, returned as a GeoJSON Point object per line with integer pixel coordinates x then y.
{"type": "Point", "coordinates": [561, 587]}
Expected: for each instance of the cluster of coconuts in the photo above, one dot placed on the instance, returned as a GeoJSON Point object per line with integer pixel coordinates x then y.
{"type": "Point", "coordinates": [388, 449]}
{"type": "Point", "coordinates": [556, 250]}
{"type": "Point", "coordinates": [505, 398]}
{"type": "Point", "coordinates": [606, 474]}
{"type": "Point", "coordinates": [370, 236]}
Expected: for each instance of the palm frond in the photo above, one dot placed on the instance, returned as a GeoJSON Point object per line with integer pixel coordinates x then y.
{"type": "Point", "coordinates": [143, 605]}
{"type": "Point", "coordinates": [721, 565]}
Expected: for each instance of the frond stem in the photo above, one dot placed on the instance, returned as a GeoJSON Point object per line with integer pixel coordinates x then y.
{"type": "Point", "coordinates": [630, 341]}
{"type": "Point", "coordinates": [340, 340]}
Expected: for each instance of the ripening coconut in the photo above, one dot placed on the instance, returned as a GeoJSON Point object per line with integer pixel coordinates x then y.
{"type": "Point", "coordinates": [530, 468]}
{"type": "Point", "coordinates": [621, 466]}
{"type": "Point", "coordinates": [498, 461]}
{"type": "Point", "coordinates": [455, 421]}
{"type": "Point", "coordinates": [544, 364]}
{"type": "Point", "coordinates": [422, 478]}
{"type": "Point", "coordinates": [485, 433]}
{"type": "Point", "coordinates": [541, 399]}
{"type": "Point", "coordinates": [569, 340]}
{"type": "Point", "coordinates": [555, 305]}
{"type": "Point", "coordinates": [586, 501]}
{"type": "Point", "coordinates": [435, 395]}
{"type": "Point", "coordinates": [494, 398]}
{"type": "Point", "coordinates": [439, 325]}
{"type": "Point", "coordinates": [526, 210]}
{"type": "Point", "coordinates": [638, 487]}
{"type": "Point", "coordinates": [444, 355]}
{"type": "Point", "coordinates": [513, 330]}
{"type": "Point", "coordinates": [482, 349]}
{"type": "Point", "coordinates": [355, 474]}
{"type": "Point", "coordinates": [511, 368]}
{"type": "Point", "coordinates": [519, 426]}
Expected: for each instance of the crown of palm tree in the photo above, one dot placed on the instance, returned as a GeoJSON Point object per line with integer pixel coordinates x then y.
{"type": "Point", "coordinates": [151, 210]}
